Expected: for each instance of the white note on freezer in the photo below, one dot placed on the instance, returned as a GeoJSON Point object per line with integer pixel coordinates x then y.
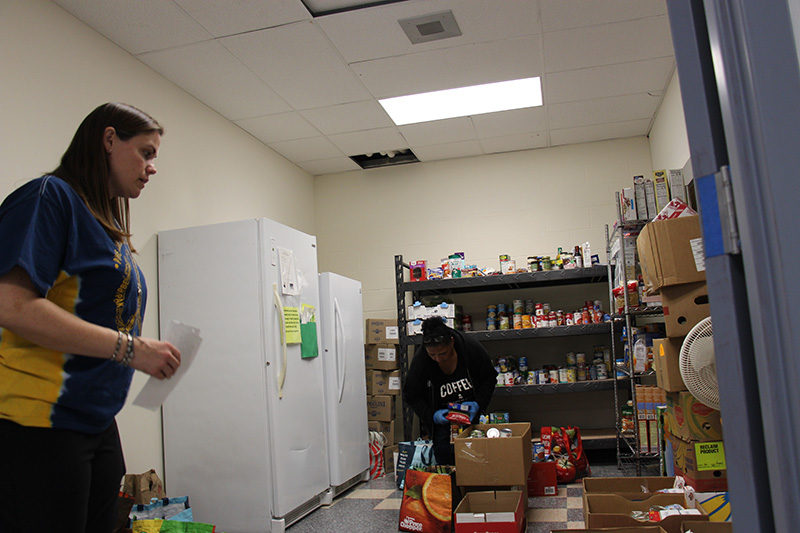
{"type": "Point", "coordinates": [186, 339]}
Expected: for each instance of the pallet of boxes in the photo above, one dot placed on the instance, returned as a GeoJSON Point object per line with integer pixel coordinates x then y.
{"type": "Point", "coordinates": [383, 385]}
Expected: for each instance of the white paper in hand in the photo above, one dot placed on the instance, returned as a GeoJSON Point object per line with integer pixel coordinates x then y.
{"type": "Point", "coordinates": [187, 340]}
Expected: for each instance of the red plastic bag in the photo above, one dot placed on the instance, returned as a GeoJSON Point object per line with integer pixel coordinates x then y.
{"type": "Point", "coordinates": [565, 446]}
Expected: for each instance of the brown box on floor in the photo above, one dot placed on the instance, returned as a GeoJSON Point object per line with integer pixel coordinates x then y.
{"type": "Point", "coordinates": [381, 408]}
{"type": "Point", "coordinates": [630, 488]}
{"type": "Point", "coordinates": [707, 527]}
{"type": "Point", "coordinates": [635, 529]}
{"type": "Point", "coordinates": [493, 462]}
{"type": "Point", "coordinates": [491, 511]}
{"type": "Point", "coordinates": [610, 510]}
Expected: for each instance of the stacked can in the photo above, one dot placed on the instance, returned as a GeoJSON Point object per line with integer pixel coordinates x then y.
{"type": "Point", "coordinates": [580, 364]}
{"type": "Point", "coordinates": [491, 317]}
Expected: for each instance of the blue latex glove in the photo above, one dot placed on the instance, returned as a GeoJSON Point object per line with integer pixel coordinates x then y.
{"type": "Point", "coordinates": [438, 417]}
{"type": "Point", "coordinates": [474, 409]}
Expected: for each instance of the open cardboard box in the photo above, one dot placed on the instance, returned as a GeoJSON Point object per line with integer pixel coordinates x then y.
{"type": "Point", "coordinates": [630, 488]}
{"type": "Point", "coordinates": [491, 512]}
{"type": "Point", "coordinates": [707, 527]}
{"type": "Point", "coordinates": [611, 510]}
{"type": "Point", "coordinates": [635, 529]}
{"type": "Point", "coordinates": [494, 462]}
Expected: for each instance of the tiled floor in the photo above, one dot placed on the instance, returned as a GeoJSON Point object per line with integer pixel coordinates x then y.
{"type": "Point", "coordinates": [374, 506]}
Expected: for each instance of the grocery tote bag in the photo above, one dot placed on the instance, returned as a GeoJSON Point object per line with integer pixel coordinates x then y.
{"type": "Point", "coordinates": [427, 505]}
{"type": "Point", "coordinates": [416, 454]}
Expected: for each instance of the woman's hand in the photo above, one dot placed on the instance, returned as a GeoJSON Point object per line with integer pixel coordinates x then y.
{"type": "Point", "coordinates": [159, 359]}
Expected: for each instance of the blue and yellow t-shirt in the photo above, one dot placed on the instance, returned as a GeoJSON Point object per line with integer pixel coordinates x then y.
{"type": "Point", "coordinates": [46, 229]}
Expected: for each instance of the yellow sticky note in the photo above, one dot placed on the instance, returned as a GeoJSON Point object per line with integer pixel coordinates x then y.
{"type": "Point", "coordinates": [710, 456]}
{"type": "Point", "coordinates": [291, 325]}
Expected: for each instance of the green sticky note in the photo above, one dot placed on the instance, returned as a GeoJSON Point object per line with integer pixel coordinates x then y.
{"type": "Point", "coordinates": [710, 456]}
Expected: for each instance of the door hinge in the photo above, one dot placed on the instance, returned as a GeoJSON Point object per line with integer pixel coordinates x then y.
{"type": "Point", "coordinates": [727, 208]}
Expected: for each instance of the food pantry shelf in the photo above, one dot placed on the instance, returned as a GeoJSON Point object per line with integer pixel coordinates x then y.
{"type": "Point", "coordinates": [530, 333]}
{"type": "Point", "coordinates": [554, 388]}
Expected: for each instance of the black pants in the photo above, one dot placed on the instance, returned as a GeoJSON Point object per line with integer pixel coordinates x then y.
{"type": "Point", "coordinates": [56, 480]}
{"type": "Point", "coordinates": [442, 448]}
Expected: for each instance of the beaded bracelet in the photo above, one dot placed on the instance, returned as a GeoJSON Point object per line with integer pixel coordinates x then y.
{"type": "Point", "coordinates": [128, 357]}
{"type": "Point", "coordinates": [116, 348]}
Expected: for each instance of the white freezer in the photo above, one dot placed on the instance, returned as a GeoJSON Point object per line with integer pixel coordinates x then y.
{"type": "Point", "coordinates": [342, 345]}
{"type": "Point", "coordinates": [250, 455]}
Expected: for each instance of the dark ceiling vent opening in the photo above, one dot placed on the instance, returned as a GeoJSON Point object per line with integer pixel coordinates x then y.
{"type": "Point", "coordinates": [385, 159]}
{"type": "Point", "coordinates": [430, 27]}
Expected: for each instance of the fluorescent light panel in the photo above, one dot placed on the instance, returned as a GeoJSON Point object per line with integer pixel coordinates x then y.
{"type": "Point", "coordinates": [464, 101]}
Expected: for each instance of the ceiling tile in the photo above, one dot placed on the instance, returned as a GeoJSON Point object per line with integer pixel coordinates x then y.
{"type": "Point", "coordinates": [343, 118]}
{"type": "Point", "coordinates": [139, 26]}
{"type": "Point", "coordinates": [240, 16]}
{"type": "Point", "coordinates": [329, 166]}
{"type": "Point", "coordinates": [610, 80]}
{"type": "Point", "coordinates": [599, 132]}
{"type": "Point", "coordinates": [448, 151]}
{"type": "Point", "coordinates": [307, 149]}
{"type": "Point", "coordinates": [280, 127]}
{"type": "Point", "coordinates": [211, 74]}
{"type": "Point", "coordinates": [298, 62]}
{"type": "Point", "coordinates": [565, 14]}
{"type": "Point", "coordinates": [607, 44]}
{"type": "Point", "coordinates": [460, 66]}
{"type": "Point", "coordinates": [370, 141]}
{"type": "Point", "coordinates": [600, 110]}
{"type": "Point", "coordinates": [513, 143]}
{"type": "Point", "coordinates": [510, 122]}
{"type": "Point", "coordinates": [375, 33]}
{"type": "Point", "coordinates": [439, 132]}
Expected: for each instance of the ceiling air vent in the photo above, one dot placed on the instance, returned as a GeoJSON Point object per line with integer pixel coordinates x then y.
{"type": "Point", "coordinates": [430, 27]}
{"type": "Point", "coordinates": [385, 159]}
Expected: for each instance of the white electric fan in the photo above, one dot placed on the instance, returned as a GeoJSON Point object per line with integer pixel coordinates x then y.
{"type": "Point", "coordinates": [698, 364]}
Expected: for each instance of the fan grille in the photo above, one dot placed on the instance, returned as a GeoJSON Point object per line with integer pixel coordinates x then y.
{"type": "Point", "coordinates": [698, 364]}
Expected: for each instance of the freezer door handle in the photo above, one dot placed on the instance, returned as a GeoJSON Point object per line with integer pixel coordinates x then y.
{"type": "Point", "coordinates": [341, 355]}
{"type": "Point", "coordinates": [281, 320]}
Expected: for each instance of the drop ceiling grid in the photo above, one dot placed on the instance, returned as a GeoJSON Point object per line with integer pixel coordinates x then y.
{"type": "Point", "coordinates": [230, 18]}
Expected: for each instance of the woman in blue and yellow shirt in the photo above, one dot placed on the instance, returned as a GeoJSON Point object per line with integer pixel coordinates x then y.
{"type": "Point", "coordinates": [72, 301]}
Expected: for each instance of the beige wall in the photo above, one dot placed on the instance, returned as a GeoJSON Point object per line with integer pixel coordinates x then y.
{"type": "Point", "coordinates": [56, 70]}
{"type": "Point", "coordinates": [521, 203]}
{"type": "Point", "coordinates": [669, 142]}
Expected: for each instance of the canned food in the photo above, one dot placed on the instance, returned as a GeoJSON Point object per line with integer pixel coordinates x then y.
{"type": "Point", "coordinates": [506, 432]}
{"type": "Point", "coordinates": [502, 362]}
{"type": "Point", "coordinates": [509, 378]}
{"type": "Point", "coordinates": [546, 308]}
{"type": "Point", "coordinates": [504, 322]}
{"type": "Point", "coordinates": [491, 311]}
{"type": "Point", "coordinates": [526, 322]}
{"type": "Point", "coordinates": [539, 309]}
{"type": "Point", "coordinates": [531, 380]}
{"type": "Point", "coordinates": [562, 375]}
{"type": "Point", "coordinates": [571, 360]}
{"type": "Point", "coordinates": [522, 364]}
{"type": "Point", "coordinates": [493, 433]}
{"type": "Point", "coordinates": [542, 377]}
{"type": "Point", "coordinates": [519, 307]}
{"type": "Point", "coordinates": [491, 325]}
{"type": "Point", "coordinates": [554, 376]}
{"type": "Point", "coordinates": [517, 321]}
{"type": "Point", "coordinates": [580, 358]}
{"type": "Point", "coordinates": [529, 307]}
{"type": "Point", "coordinates": [602, 370]}
{"type": "Point", "coordinates": [581, 373]}
{"type": "Point", "coordinates": [569, 320]}
{"type": "Point", "coordinates": [477, 434]}
{"type": "Point", "coordinates": [466, 323]}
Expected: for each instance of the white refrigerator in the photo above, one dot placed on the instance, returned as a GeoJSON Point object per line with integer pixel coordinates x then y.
{"type": "Point", "coordinates": [342, 346]}
{"type": "Point", "coordinates": [244, 429]}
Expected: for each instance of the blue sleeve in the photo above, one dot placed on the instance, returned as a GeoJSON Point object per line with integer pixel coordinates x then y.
{"type": "Point", "coordinates": [34, 231]}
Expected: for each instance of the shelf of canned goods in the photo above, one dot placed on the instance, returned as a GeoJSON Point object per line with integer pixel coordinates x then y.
{"type": "Point", "coordinates": [469, 297]}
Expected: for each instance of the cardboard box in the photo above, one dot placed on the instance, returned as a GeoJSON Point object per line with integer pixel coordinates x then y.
{"type": "Point", "coordinates": [381, 408]}
{"type": "Point", "coordinates": [611, 510]}
{"type": "Point", "coordinates": [383, 382]}
{"type": "Point", "coordinates": [491, 512]}
{"type": "Point", "coordinates": [542, 480]}
{"type": "Point", "coordinates": [666, 360]}
{"type": "Point", "coordinates": [382, 331]}
{"type": "Point", "coordinates": [386, 428]}
{"type": "Point", "coordinates": [716, 504]}
{"type": "Point", "coordinates": [702, 464]}
{"type": "Point", "coordinates": [635, 529]}
{"type": "Point", "coordinates": [689, 419]}
{"type": "Point", "coordinates": [381, 356]}
{"type": "Point", "coordinates": [684, 306]}
{"type": "Point", "coordinates": [671, 253]}
{"type": "Point", "coordinates": [493, 462]}
{"type": "Point", "coordinates": [388, 457]}
{"type": "Point", "coordinates": [630, 488]}
{"type": "Point", "coordinates": [707, 527]}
